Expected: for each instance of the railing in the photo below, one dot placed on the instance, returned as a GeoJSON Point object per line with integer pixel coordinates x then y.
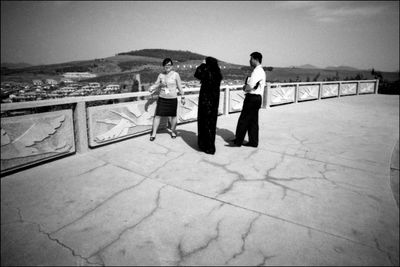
{"type": "Point", "coordinates": [30, 139]}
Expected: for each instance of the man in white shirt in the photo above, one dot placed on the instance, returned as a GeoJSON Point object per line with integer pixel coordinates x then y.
{"type": "Point", "coordinates": [254, 88]}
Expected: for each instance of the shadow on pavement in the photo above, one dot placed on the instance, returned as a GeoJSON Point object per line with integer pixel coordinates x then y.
{"type": "Point", "coordinates": [226, 134]}
{"type": "Point", "coordinates": [190, 138]}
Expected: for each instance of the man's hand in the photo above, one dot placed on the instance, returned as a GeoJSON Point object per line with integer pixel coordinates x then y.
{"type": "Point", "coordinates": [247, 88]}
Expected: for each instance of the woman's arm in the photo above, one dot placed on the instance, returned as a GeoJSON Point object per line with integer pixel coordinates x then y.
{"type": "Point", "coordinates": [179, 84]}
{"type": "Point", "coordinates": [156, 84]}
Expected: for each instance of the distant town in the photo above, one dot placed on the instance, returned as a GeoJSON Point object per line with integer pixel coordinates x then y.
{"type": "Point", "coordinates": [71, 86]}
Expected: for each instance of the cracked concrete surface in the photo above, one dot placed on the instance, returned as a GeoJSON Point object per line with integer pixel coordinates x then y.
{"type": "Point", "coordinates": [317, 191]}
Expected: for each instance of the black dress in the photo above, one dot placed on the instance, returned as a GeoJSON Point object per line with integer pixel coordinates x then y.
{"type": "Point", "coordinates": [208, 108]}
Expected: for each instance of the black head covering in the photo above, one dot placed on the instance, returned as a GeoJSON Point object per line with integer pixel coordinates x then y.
{"type": "Point", "coordinates": [212, 66]}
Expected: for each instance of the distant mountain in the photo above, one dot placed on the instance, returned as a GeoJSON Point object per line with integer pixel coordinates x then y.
{"type": "Point", "coordinates": [341, 68]}
{"type": "Point", "coordinates": [147, 63]}
{"type": "Point", "coordinates": [307, 66]}
{"type": "Point", "coordinates": [178, 55]}
{"type": "Point", "coordinates": [15, 65]}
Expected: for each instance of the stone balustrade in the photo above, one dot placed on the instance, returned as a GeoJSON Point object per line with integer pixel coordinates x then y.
{"type": "Point", "coordinates": [35, 138]}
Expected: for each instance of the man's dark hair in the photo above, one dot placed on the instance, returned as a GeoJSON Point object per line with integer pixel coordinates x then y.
{"type": "Point", "coordinates": [166, 61]}
{"type": "Point", "coordinates": [256, 56]}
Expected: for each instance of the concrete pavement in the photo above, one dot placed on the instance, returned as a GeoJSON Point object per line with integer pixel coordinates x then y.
{"type": "Point", "coordinates": [317, 191]}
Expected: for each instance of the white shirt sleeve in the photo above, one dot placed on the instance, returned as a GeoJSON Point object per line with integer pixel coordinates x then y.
{"type": "Point", "coordinates": [257, 75]}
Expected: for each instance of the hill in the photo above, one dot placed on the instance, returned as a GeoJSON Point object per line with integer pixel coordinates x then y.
{"type": "Point", "coordinates": [147, 63]}
{"type": "Point", "coordinates": [341, 68]}
{"type": "Point", "coordinates": [178, 55]}
{"type": "Point", "coordinates": [15, 65]}
{"type": "Point", "coordinates": [307, 66]}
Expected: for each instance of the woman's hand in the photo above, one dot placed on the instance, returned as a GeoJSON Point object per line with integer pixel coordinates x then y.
{"type": "Point", "coordinates": [152, 89]}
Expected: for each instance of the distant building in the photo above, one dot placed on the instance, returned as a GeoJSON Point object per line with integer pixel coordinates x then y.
{"type": "Point", "coordinates": [65, 80]}
{"type": "Point", "coordinates": [111, 88]}
{"type": "Point", "coordinates": [65, 90]}
{"type": "Point", "coordinates": [37, 82]}
{"type": "Point", "coordinates": [94, 85]}
{"type": "Point", "coordinates": [51, 82]}
{"type": "Point", "coordinates": [79, 75]}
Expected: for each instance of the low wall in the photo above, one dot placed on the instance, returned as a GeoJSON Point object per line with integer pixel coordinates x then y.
{"type": "Point", "coordinates": [34, 138]}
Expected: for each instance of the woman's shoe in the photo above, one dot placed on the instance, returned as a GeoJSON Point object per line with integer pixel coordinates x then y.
{"type": "Point", "coordinates": [152, 138]}
{"type": "Point", "coordinates": [173, 135]}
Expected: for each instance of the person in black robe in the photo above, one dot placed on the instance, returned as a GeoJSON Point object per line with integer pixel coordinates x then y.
{"type": "Point", "coordinates": [210, 76]}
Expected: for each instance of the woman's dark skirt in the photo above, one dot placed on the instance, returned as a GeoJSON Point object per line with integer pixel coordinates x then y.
{"type": "Point", "coordinates": [166, 107]}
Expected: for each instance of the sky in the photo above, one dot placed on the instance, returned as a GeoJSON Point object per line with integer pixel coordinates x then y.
{"type": "Point", "coordinates": [361, 34]}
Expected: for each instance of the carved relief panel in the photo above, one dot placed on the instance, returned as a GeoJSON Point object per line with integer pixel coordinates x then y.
{"type": "Point", "coordinates": [348, 89]}
{"type": "Point", "coordinates": [366, 88]}
{"type": "Point", "coordinates": [281, 95]}
{"type": "Point", "coordinates": [109, 123]}
{"type": "Point", "coordinates": [236, 98]}
{"type": "Point", "coordinates": [329, 90]}
{"type": "Point", "coordinates": [307, 92]}
{"type": "Point", "coordinates": [188, 112]}
{"type": "Point", "coordinates": [29, 139]}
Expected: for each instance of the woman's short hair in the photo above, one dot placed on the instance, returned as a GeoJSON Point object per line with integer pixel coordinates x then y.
{"type": "Point", "coordinates": [166, 61]}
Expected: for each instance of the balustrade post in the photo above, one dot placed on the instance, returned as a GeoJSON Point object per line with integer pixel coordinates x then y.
{"type": "Point", "coordinates": [296, 93]}
{"type": "Point", "coordinates": [267, 96]}
{"type": "Point", "coordinates": [376, 86]}
{"type": "Point", "coordinates": [320, 91]}
{"type": "Point", "coordinates": [80, 128]}
{"type": "Point", "coordinates": [226, 104]}
{"type": "Point", "coordinates": [264, 97]}
{"type": "Point", "coordinates": [358, 88]}
{"type": "Point", "coordinates": [339, 89]}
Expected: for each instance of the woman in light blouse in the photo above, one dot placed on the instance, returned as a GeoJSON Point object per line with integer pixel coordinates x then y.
{"type": "Point", "coordinates": [169, 82]}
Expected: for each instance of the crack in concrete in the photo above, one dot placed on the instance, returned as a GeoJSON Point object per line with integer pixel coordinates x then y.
{"type": "Point", "coordinates": [157, 205]}
{"type": "Point", "coordinates": [99, 205]}
{"type": "Point", "coordinates": [252, 153]}
{"type": "Point", "coordinates": [272, 180]}
{"type": "Point", "coordinates": [169, 150]}
{"type": "Point", "coordinates": [276, 165]}
{"type": "Point", "coordinates": [285, 188]}
{"type": "Point", "coordinates": [265, 259]}
{"type": "Point", "coordinates": [244, 237]}
{"type": "Point", "coordinates": [307, 149]}
{"type": "Point", "coordinates": [319, 161]}
{"type": "Point", "coordinates": [240, 177]}
{"type": "Point", "coordinates": [93, 169]}
{"type": "Point", "coordinates": [20, 220]}
{"type": "Point", "coordinates": [86, 260]}
{"type": "Point", "coordinates": [183, 255]}
{"type": "Point", "coordinates": [378, 247]}
{"type": "Point", "coordinates": [165, 163]}
{"type": "Point", "coordinates": [217, 208]}
{"type": "Point", "coordinates": [271, 216]}
{"type": "Point", "coordinates": [337, 184]}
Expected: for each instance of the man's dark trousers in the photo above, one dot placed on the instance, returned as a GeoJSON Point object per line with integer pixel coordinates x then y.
{"type": "Point", "coordinates": [248, 120]}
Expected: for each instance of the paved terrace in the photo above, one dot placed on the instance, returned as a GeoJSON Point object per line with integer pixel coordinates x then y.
{"type": "Point", "coordinates": [316, 191]}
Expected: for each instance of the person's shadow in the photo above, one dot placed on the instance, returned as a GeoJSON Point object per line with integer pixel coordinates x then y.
{"type": "Point", "coordinates": [226, 134]}
{"type": "Point", "coordinates": [190, 138]}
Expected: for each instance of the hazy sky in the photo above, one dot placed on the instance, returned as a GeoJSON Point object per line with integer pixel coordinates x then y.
{"type": "Point", "coordinates": [358, 34]}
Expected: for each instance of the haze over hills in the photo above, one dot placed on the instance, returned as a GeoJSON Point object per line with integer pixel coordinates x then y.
{"type": "Point", "coordinates": [147, 62]}
{"type": "Point", "coordinates": [307, 66]}
{"type": "Point", "coordinates": [341, 68]}
{"type": "Point", "coordinates": [15, 65]}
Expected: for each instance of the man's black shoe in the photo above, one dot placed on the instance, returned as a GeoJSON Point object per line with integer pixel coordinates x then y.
{"type": "Point", "coordinates": [233, 145]}
{"type": "Point", "coordinates": [249, 144]}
